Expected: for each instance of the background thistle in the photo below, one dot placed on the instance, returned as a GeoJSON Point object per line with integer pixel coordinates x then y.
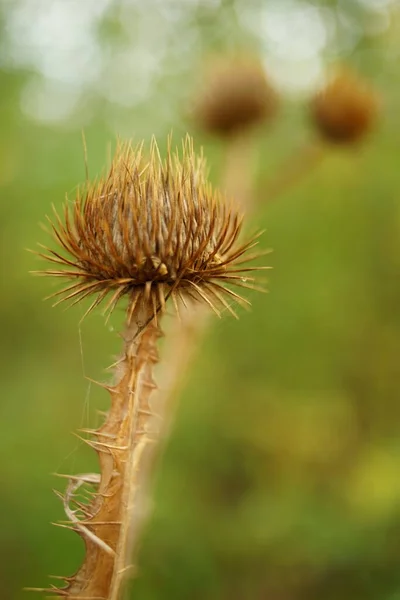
{"type": "Point", "coordinates": [342, 113]}
{"type": "Point", "coordinates": [345, 110]}
{"type": "Point", "coordinates": [148, 230]}
{"type": "Point", "coordinates": [233, 100]}
{"type": "Point", "coordinates": [235, 95]}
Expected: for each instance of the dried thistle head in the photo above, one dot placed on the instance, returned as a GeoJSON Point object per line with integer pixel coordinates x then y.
{"type": "Point", "coordinates": [345, 109]}
{"type": "Point", "coordinates": [235, 95]}
{"type": "Point", "coordinates": [149, 230]}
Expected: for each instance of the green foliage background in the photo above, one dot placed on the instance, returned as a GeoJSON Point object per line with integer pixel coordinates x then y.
{"type": "Point", "coordinates": [281, 479]}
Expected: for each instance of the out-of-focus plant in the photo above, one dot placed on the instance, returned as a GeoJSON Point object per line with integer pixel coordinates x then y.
{"type": "Point", "coordinates": [345, 110]}
{"type": "Point", "coordinates": [235, 101]}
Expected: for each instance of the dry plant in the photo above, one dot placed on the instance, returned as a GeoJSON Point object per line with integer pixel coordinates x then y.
{"type": "Point", "coordinates": [342, 113]}
{"type": "Point", "coordinates": [235, 99]}
{"type": "Point", "coordinates": [345, 110]}
{"type": "Point", "coordinates": [149, 231]}
{"type": "Point", "coordinates": [235, 95]}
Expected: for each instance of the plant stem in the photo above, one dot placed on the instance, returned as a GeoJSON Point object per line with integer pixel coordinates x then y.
{"type": "Point", "coordinates": [292, 170]}
{"type": "Point", "coordinates": [180, 352]}
{"type": "Point", "coordinates": [238, 172]}
{"type": "Point", "coordinates": [124, 443]}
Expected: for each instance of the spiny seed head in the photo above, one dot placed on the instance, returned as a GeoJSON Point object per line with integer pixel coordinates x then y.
{"type": "Point", "coordinates": [235, 96]}
{"type": "Point", "coordinates": [345, 109]}
{"type": "Point", "coordinates": [149, 230]}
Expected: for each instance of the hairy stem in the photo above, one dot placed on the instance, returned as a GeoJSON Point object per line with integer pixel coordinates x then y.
{"type": "Point", "coordinates": [114, 515]}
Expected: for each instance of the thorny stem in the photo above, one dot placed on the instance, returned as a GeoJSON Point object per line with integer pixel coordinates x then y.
{"type": "Point", "coordinates": [124, 443]}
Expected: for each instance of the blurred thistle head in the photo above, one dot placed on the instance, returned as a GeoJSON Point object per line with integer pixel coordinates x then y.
{"type": "Point", "coordinates": [149, 230]}
{"type": "Point", "coordinates": [345, 110]}
{"type": "Point", "coordinates": [235, 95]}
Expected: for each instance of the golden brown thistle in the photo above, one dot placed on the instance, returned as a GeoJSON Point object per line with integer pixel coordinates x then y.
{"type": "Point", "coordinates": [150, 230]}
{"type": "Point", "coordinates": [345, 110]}
{"type": "Point", "coordinates": [235, 96]}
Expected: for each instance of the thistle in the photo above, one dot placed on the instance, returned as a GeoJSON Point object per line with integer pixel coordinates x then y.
{"type": "Point", "coordinates": [345, 110]}
{"type": "Point", "coordinates": [147, 232]}
{"type": "Point", "coordinates": [235, 96]}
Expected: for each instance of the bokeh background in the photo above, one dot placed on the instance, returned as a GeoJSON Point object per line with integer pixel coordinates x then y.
{"type": "Point", "coordinates": [281, 479]}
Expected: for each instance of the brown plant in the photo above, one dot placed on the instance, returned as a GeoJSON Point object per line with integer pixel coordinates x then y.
{"type": "Point", "coordinates": [235, 95]}
{"type": "Point", "coordinates": [345, 110]}
{"type": "Point", "coordinates": [148, 231]}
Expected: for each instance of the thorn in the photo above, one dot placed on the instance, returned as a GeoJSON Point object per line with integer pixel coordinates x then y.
{"type": "Point", "coordinates": [145, 432]}
{"type": "Point", "coordinates": [90, 443]}
{"type": "Point", "coordinates": [149, 384]}
{"type": "Point", "coordinates": [59, 495]}
{"type": "Point", "coordinates": [111, 446]}
{"type": "Point", "coordinates": [91, 494]}
{"type": "Point", "coordinates": [84, 597]}
{"type": "Point", "coordinates": [97, 433]}
{"type": "Point", "coordinates": [88, 431]}
{"type": "Point", "coordinates": [102, 495]}
{"type": "Point", "coordinates": [116, 363]}
{"type": "Point", "coordinates": [95, 523]}
{"type": "Point", "coordinates": [109, 388]}
{"type": "Point", "coordinates": [153, 356]}
{"type": "Point", "coordinates": [83, 478]}
{"type": "Point", "coordinates": [142, 411]}
{"type": "Point", "coordinates": [98, 446]}
{"type": "Point", "coordinates": [64, 526]}
{"type": "Point", "coordinates": [132, 568]}
{"type": "Point", "coordinates": [83, 508]}
{"type": "Point", "coordinates": [95, 539]}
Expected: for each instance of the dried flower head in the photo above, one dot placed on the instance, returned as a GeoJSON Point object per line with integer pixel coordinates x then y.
{"type": "Point", "coordinates": [149, 230]}
{"type": "Point", "coordinates": [235, 96]}
{"type": "Point", "coordinates": [345, 109]}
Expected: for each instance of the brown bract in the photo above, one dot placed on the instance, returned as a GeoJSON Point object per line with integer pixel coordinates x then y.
{"type": "Point", "coordinates": [148, 230]}
{"type": "Point", "coordinates": [345, 110]}
{"type": "Point", "coordinates": [234, 95]}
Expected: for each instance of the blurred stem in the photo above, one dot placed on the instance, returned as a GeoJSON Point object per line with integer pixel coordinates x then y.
{"type": "Point", "coordinates": [237, 183]}
{"type": "Point", "coordinates": [182, 346]}
{"type": "Point", "coordinates": [292, 170]}
{"type": "Point", "coordinates": [238, 171]}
